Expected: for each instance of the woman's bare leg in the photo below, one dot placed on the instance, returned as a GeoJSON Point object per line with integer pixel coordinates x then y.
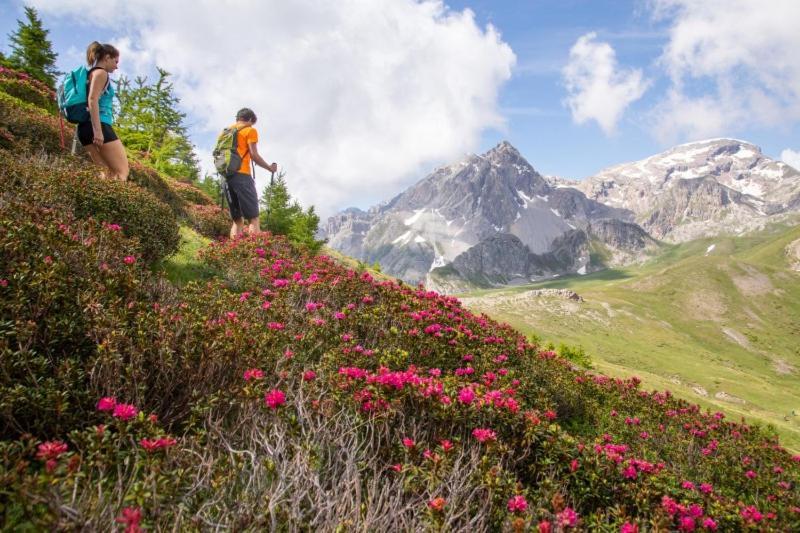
{"type": "Point", "coordinates": [113, 153]}
{"type": "Point", "coordinates": [94, 153]}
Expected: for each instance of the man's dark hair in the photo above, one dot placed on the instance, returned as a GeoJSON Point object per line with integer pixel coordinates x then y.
{"type": "Point", "coordinates": [246, 115]}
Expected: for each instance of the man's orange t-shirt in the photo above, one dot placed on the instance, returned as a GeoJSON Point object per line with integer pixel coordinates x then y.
{"type": "Point", "coordinates": [247, 135]}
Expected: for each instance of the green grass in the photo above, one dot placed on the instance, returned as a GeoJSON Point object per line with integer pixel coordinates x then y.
{"type": "Point", "coordinates": [722, 329]}
{"type": "Point", "coordinates": [185, 266]}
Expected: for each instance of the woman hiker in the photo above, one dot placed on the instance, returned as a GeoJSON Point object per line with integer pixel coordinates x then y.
{"type": "Point", "coordinates": [97, 135]}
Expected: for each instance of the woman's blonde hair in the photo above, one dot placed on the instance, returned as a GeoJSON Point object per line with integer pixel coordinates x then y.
{"type": "Point", "coordinates": [97, 52]}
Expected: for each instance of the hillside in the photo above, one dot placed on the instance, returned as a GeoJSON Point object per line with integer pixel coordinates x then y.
{"type": "Point", "coordinates": [714, 320]}
{"type": "Point", "coordinates": [275, 389]}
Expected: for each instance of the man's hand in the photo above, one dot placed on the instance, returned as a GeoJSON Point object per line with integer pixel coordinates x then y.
{"type": "Point", "coordinates": [273, 167]}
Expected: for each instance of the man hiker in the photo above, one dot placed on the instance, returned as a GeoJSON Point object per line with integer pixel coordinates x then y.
{"type": "Point", "coordinates": [241, 186]}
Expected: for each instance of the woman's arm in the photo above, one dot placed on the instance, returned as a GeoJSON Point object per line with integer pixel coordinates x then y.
{"type": "Point", "coordinates": [97, 83]}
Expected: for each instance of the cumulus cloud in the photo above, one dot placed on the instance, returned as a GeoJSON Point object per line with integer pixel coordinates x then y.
{"type": "Point", "coordinates": [597, 88]}
{"type": "Point", "coordinates": [791, 158]}
{"type": "Point", "coordinates": [353, 97]}
{"type": "Point", "coordinates": [732, 64]}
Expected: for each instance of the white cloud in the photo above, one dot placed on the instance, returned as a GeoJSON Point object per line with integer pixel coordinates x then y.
{"type": "Point", "coordinates": [353, 97]}
{"type": "Point", "coordinates": [732, 64]}
{"type": "Point", "coordinates": [598, 89]}
{"type": "Point", "coordinates": [791, 158]}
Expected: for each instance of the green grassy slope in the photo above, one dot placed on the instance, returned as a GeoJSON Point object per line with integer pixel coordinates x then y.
{"type": "Point", "coordinates": [719, 327]}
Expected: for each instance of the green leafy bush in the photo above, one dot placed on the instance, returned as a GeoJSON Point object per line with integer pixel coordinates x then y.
{"type": "Point", "coordinates": [189, 193]}
{"type": "Point", "coordinates": [56, 274]}
{"type": "Point", "coordinates": [209, 220]}
{"type": "Point", "coordinates": [67, 185]}
{"type": "Point", "coordinates": [26, 127]}
{"type": "Point", "coordinates": [27, 89]}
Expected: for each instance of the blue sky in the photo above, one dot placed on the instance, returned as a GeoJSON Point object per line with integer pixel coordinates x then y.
{"type": "Point", "coordinates": [360, 99]}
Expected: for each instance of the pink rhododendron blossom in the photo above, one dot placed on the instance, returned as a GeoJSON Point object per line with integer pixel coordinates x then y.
{"type": "Point", "coordinates": [106, 403]}
{"type": "Point", "coordinates": [125, 411]}
{"type": "Point", "coordinates": [151, 445]}
{"type": "Point", "coordinates": [437, 504]}
{"type": "Point", "coordinates": [253, 373]}
{"type": "Point", "coordinates": [706, 488]}
{"type": "Point", "coordinates": [408, 443]}
{"type": "Point", "coordinates": [51, 450]}
{"type": "Point", "coordinates": [446, 445]}
{"type": "Point", "coordinates": [3, 282]}
{"type": "Point", "coordinates": [544, 527]}
{"type": "Point", "coordinates": [466, 395]}
{"type": "Point", "coordinates": [568, 517]}
{"type": "Point", "coordinates": [751, 514]}
{"type": "Point", "coordinates": [274, 398]}
{"type": "Point", "coordinates": [484, 434]}
{"type": "Point", "coordinates": [131, 517]}
{"type": "Point", "coordinates": [627, 527]}
{"type": "Point", "coordinates": [686, 523]}
{"type": "Point", "coordinates": [750, 474]}
{"type": "Point", "coordinates": [710, 524]}
{"type": "Point", "coordinates": [309, 375]}
{"type": "Point", "coordinates": [517, 504]}
{"type": "Point", "coordinates": [129, 260]}
{"type": "Point", "coordinates": [688, 485]}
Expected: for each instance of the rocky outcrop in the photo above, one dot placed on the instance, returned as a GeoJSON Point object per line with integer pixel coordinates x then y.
{"type": "Point", "coordinates": [504, 260]}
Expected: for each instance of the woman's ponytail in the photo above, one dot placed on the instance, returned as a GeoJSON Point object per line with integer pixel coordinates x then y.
{"type": "Point", "coordinates": [97, 52]}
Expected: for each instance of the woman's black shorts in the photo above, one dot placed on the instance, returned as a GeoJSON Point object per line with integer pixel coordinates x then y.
{"type": "Point", "coordinates": [86, 133]}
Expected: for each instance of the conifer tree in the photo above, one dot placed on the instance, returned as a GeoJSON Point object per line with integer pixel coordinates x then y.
{"type": "Point", "coordinates": [32, 51]}
{"type": "Point", "coordinates": [152, 128]}
{"type": "Point", "coordinates": [283, 216]}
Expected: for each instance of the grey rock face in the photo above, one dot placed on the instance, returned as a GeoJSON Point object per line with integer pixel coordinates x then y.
{"type": "Point", "coordinates": [699, 189]}
{"type": "Point", "coordinates": [471, 203]}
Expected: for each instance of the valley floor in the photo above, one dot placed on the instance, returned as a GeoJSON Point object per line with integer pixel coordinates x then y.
{"type": "Point", "coordinates": [717, 321]}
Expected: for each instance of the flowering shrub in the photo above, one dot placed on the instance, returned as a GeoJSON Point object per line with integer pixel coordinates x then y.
{"type": "Point", "coordinates": [189, 193]}
{"type": "Point", "coordinates": [28, 89]}
{"type": "Point", "coordinates": [293, 391]}
{"type": "Point", "coordinates": [27, 127]}
{"type": "Point", "coordinates": [58, 273]}
{"type": "Point", "coordinates": [209, 220]}
{"type": "Point", "coordinates": [59, 185]}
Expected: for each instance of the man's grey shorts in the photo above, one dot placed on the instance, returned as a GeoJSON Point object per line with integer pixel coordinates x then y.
{"type": "Point", "coordinates": [242, 196]}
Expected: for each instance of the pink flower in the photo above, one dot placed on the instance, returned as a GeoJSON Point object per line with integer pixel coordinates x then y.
{"type": "Point", "coordinates": [50, 450]}
{"type": "Point", "coordinates": [545, 527]}
{"type": "Point", "coordinates": [274, 398]}
{"type": "Point", "coordinates": [446, 445]}
{"type": "Point", "coordinates": [550, 414]}
{"type": "Point", "coordinates": [627, 527]}
{"type": "Point", "coordinates": [151, 445]}
{"type": "Point", "coordinates": [750, 474]}
{"type": "Point", "coordinates": [3, 282]}
{"type": "Point", "coordinates": [568, 517]}
{"type": "Point", "coordinates": [408, 443]}
{"type": "Point", "coordinates": [573, 466]}
{"type": "Point", "coordinates": [706, 488]}
{"type": "Point", "coordinates": [309, 375]}
{"type": "Point", "coordinates": [275, 325]}
{"type": "Point", "coordinates": [129, 260]}
{"type": "Point", "coordinates": [131, 517]}
{"type": "Point", "coordinates": [688, 485]}
{"type": "Point", "coordinates": [266, 305]}
{"type": "Point", "coordinates": [125, 411]}
{"type": "Point", "coordinates": [686, 523]}
{"type": "Point", "coordinates": [466, 396]}
{"type": "Point", "coordinates": [629, 472]}
{"type": "Point", "coordinates": [710, 524]}
{"type": "Point", "coordinates": [338, 315]}
{"type": "Point", "coordinates": [484, 434]}
{"type": "Point", "coordinates": [517, 504]}
{"type": "Point", "coordinates": [437, 504]}
{"type": "Point", "coordinates": [253, 373]}
{"type": "Point", "coordinates": [107, 403]}
{"type": "Point", "coordinates": [751, 514]}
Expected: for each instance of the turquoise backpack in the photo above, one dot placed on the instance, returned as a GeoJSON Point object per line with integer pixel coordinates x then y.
{"type": "Point", "coordinates": [73, 100]}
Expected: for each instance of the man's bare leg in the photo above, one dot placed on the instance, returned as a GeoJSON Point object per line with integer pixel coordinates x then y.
{"type": "Point", "coordinates": [255, 225]}
{"type": "Point", "coordinates": [237, 228]}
